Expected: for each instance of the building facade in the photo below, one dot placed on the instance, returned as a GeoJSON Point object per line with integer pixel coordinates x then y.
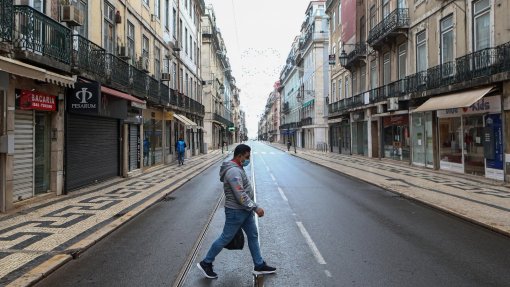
{"type": "Point", "coordinates": [109, 84]}
{"type": "Point", "coordinates": [221, 95]}
{"type": "Point", "coordinates": [429, 83]}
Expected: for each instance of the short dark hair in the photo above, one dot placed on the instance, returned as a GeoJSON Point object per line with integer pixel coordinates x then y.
{"type": "Point", "coordinates": [241, 149]}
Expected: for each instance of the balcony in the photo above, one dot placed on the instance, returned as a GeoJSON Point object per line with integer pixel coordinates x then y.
{"type": "Point", "coordinates": [139, 83]}
{"type": "Point", "coordinates": [222, 120]}
{"type": "Point", "coordinates": [396, 23]}
{"type": "Point", "coordinates": [165, 94]}
{"type": "Point", "coordinates": [153, 92]}
{"type": "Point", "coordinates": [465, 72]}
{"type": "Point", "coordinates": [306, 122]}
{"type": "Point", "coordinates": [6, 20]}
{"type": "Point", "coordinates": [356, 55]}
{"type": "Point", "coordinates": [117, 72]}
{"type": "Point", "coordinates": [38, 38]}
{"type": "Point", "coordinates": [286, 108]}
{"type": "Point", "coordinates": [88, 59]}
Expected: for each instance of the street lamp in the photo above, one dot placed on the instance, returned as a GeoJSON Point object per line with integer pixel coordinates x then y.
{"type": "Point", "coordinates": [343, 58]}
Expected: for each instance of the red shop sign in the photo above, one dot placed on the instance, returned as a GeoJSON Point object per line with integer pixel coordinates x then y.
{"type": "Point", "coordinates": [32, 100]}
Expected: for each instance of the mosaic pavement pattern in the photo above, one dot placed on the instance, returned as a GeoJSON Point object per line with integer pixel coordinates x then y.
{"type": "Point", "coordinates": [34, 235]}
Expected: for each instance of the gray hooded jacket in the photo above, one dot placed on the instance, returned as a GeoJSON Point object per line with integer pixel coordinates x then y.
{"type": "Point", "coordinates": [237, 187]}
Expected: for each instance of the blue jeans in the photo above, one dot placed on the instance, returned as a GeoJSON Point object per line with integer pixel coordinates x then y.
{"type": "Point", "coordinates": [235, 219]}
{"type": "Point", "coordinates": [180, 156]}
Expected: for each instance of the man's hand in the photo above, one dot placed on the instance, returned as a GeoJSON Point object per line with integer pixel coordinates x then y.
{"type": "Point", "coordinates": [259, 211]}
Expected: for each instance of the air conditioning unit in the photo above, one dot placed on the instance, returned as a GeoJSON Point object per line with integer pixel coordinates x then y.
{"type": "Point", "coordinates": [393, 104]}
{"type": "Point", "coordinates": [177, 46]}
{"type": "Point", "coordinates": [123, 53]}
{"type": "Point", "coordinates": [71, 15]}
{"type": "Point", "coordinates": [165, 76]}
{"type": "Point", "coordinates": [143, 64]}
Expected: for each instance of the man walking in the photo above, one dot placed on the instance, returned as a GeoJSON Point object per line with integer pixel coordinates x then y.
{"type": "Point", "coordinates": [240, 212]}
{"type": "Point", "coordinates": [180, 147]}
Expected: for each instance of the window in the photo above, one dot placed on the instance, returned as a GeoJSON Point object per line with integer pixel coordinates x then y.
{"type": "Point", "coordinates": [334, 20]}
{"type": "Point", "coordinates": [373, 18]}
{"type": "Point", "coordinates": [481, 21]}
{"type": "Point", "coordinates": [373, 74]}
{"type": "Point", "coordinates": [181, 35]}
{"type": "Point", "coordinates": [157, 62]}
{"type": "Point", "coordinates": [333, 92]}
{"type": "Point", "coordinates": [174, 20]}
{"type": "Point", "coordinates": [109, 27]}
{"type": "Point", "coordinates": [385, 8]}
{"type": "Point", "coordinates": [174, 76]}
{"type": "Point", "coordinates": [447, 39]}
{"type": "Point", "coordinates": [181, 81]}
{"type": "Point", "coordinates": [145, 47]}
{"type": "Point", "coordinates": [191, 47]}
{"type": "Point", "coordinates": [340, 94]}
{"type": "Point", "coordinates": [167, 15]}
{"type": "Point", "coordinates": [131, 40]}
{"type": "Point", "coordinates": [421, 52]}
{"type": "Point", "coordinates": [386, 69]}
{"type": "Point", "coordinates": [402, 59]}
{"type": "Point", "coordinates": [156, 8]}
{"type": "Point", "coordinates": [186, 40]}
{"type": "Point", "coordinates": [146, 2]}
{"type": "Point", "coordinates": [82, 30]}
{"type": "Point", "coordinates": [354, 83]}
{"type": "Point", "coordinates": [363, 78]}
{"type": "Point", "coordinates": [196, 52]}
{"type": "Point", "coordinates": [347, 87]}
{"type": "Point", "coordinates": [187, 85]}
{"type": "Point", "coordinates": [362, 29]}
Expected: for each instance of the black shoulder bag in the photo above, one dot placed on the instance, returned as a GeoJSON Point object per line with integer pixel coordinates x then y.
{"type": "Point", "coordinates": [237, 243]}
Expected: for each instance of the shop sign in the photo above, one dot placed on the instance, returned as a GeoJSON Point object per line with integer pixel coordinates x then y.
{"type": "Point", "coordinates": [33, 100]}
{"type": "Point", "coordinates": [332, 59]}
{"type": "Point", "coordinates": [484, 105]}
{"type": "Point", "coordinates": [85, 98]}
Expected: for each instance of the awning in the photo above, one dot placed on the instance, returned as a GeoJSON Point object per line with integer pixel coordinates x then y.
{"type": "Point", "coordinates": [28, 71]}
{"type": "Point", "coordinates": [121, 95]}
{"type": "Point", "coordinates": [187, 122]}
{"type": "Point", "coordinates": [457, 100]}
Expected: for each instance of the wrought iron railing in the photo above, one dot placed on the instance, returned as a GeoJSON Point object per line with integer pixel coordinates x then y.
{"type": "Point", "coordinates": [360, 50]}
{"type": "Point", "coordinates": [222, 120]}
{"type": "Point", "coordinates": [38, 33]}
{"type": "Point", "coordinates": [153, 92]}
{"type": "Point", "coordinates": [139, 82]}
{"type": "Point", "coordinates": [306, 121]}
{"type": "Point", "coordinates": [117, 70]}
{"type": "Point", "coordinates": [88, 57]}
{"type": "Point", "coordinates": [397, 19]}
{"type": "Point", "coordinates": [165, 94]}
{"type": "Point", "coordinates": [173, 97]}
{"type": "Point", "coordinates": [6, 20]}
{"type": "Point", "coordinates": [483, 63]}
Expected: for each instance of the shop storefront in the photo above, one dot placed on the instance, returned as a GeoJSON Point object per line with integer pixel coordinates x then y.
{"type": "Point", "coordinates": [471, 139]}
{"type": "Point", "coordinates": [94, 119]}
{"type": "Point", "coordinates": [187, 129]}
{"type": "Point", "coordinates": [396, 137]}
{"type": "Point", "coordinates": [134, 141]}
{"type": "Point", "coordinates": [422, 137]}
{"type": "Point", "coordinates": [359, 130]}
{"type": "Point", "coordinates": [33, 138]}
{"type": "Point", "coordinates": [152, 137]}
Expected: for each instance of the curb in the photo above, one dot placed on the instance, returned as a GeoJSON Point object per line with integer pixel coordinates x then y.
{"type": "Point", "coordinates": [414, 199]}
{"type": "Point", "coordinates": [44, 269]}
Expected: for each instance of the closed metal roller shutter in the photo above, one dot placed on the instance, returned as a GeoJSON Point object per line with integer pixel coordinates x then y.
{"type": "Point", "coordinates": [92, 150]}
{"type": "Point", "coordinates": [23, 172]}
{"type": "Point", "coordinates": [134, 146]}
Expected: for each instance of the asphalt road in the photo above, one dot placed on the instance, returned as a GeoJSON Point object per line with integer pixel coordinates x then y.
{"type": "Point", "coordinates": [320, 229]}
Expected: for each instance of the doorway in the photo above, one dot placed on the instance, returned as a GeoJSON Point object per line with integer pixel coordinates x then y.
{"type": "Point", "coordinates": [42, 152]}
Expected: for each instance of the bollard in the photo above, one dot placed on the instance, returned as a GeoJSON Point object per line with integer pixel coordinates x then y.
{"type": "Point", "coordinates": [258, 280]}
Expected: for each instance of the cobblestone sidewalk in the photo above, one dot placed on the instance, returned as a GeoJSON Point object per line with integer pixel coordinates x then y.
{"type": "Point", "coordinates": [479, 200]}
{"type": "Point", "coordinates": [39, 238]}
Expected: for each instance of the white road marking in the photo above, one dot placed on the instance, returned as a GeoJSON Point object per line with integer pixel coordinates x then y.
{"type": "Point", "coordinates": [254, 192]}
{"type": "Point", "coordinates": [328, 273]}
{"type": "Point", "coordinates": [310, 243]}
{"type": "Point", "coordinates": [272, 176]}
{"type": "Point", "coordinates": [282, 194]}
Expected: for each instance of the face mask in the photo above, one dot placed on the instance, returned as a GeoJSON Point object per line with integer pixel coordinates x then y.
{"type": "Point", "coordinates": [246, 162]}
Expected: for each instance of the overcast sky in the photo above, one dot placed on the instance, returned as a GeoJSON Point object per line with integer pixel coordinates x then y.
{"type": "Point", "coordinates": [258, 35]}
